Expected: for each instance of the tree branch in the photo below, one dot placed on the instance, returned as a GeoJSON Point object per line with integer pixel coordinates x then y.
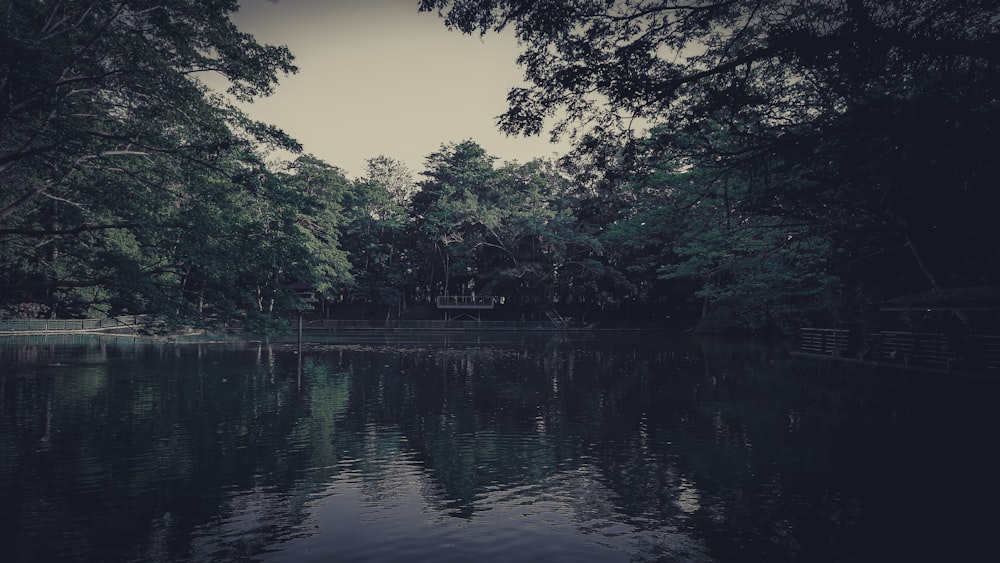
{"type": "Point", "coordinates": [22, 200]}
{"type": "Point", "coordinates": [77, 230]}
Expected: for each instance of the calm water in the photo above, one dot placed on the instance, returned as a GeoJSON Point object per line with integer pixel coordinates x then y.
{"type": "Point", "coordinates": [475, 447]}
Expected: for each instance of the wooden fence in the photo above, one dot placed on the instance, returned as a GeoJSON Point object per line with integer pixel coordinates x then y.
{"type": "Point", "coordinates": [824, 341]}
{"type": "Point", "coordinates": [464, 302]}
{"type": "Point", "coordinates": [347, 324]}
{"type": "Point", "coordinates": [986, 349]}
{"type": "Point", "coordinates": [976, 353]}
{"type": "Point", "coordinates": [927, 348]}
{"type": "Point", "coordinates": [14, 326]}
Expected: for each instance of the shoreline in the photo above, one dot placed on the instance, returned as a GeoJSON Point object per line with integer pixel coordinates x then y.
{"type": "Point", "coordinates": [347, 326]}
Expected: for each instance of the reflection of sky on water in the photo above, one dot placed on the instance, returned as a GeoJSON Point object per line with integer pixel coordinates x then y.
{"type": "Point", "coordinates": [459, 447]}
{"type": "Point", "coordinates": [569, 516]}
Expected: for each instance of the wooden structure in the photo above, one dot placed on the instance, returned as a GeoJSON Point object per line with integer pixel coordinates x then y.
{"type": "Point", "coordinates": [944, 328]}
{"type": "Point", "coordinates": [954, 330]}
{"type": "Point", "coordinates": [464, 303]}
{"type": "Point", "coordinates": [824, 341]}
{"type": "Point", "coordinates": [61, 326]}
{"type": "Point", "coordinates": [961, 354]}
{"type": "Point", "coordinates": [928, 348]}
{"type": "Point", "coordinates": [307, 296]}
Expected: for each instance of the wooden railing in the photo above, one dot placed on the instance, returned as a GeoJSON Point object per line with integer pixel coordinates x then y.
{"type": "Point", "coordinates": [71, 325]}
{"type": "Point", "coordinates": [825, 341]}
{"type": "Point", "coordinates": [464, 302]}
{"type": "Point", "coordinates": [919, 347]}
{"type": "Point", "coordinates": [985, 348]}
{"type": "Point", "coordinates": [371, 324]}
{"type": "Point", "coordinates": [974, 353]}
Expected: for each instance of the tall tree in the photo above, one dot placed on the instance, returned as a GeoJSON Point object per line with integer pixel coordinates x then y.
{"type": "Point", "coordinates": [393, 176]}
{"type": "Point", "coordinates": [320, 220]}
{"type": "Point", "coordinates": [506, 230]}
{"type": "Point", "coordinates": [376, 234]}
{"type": "Point", "coordinates": [456, 176]}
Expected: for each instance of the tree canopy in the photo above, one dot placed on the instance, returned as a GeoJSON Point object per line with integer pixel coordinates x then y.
{"type": "Point", "coordinates": [759, 161]}
{"type": "Point", "coordinates": [870, 122]}
{"type": "Point", "coordinates": [128, 184]}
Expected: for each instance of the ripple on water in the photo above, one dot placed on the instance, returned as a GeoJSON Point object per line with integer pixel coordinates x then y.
{"type": "Point", "coordinates": [401, 512]}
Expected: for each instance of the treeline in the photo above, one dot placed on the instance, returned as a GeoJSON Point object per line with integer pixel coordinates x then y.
{"type": "Point", "coordinates": [804, 161]}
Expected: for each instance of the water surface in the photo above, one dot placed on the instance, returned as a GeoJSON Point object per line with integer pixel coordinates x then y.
{"type": "Point", "coordinates": [485, 447]}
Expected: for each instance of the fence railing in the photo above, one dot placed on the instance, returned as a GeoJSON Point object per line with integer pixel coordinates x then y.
{"type": "Point", "coordinates": [927, 348]}
{"type": "Point", "coordinates": [974, 352]}
{"type": "Point", "coordinates": [464, 302]}
{"type": "Point", "coordinates": [363, 324]}
{"type": "Point", "coordinates": [825, 341]}
{"type": "Point", "coordinates": [986, 348]}
{"type": "Point", "coordinates": [72, 325]}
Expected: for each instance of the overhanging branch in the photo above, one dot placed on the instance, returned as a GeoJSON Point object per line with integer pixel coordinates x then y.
{"type": "Point", "coordinates": [80, 229]}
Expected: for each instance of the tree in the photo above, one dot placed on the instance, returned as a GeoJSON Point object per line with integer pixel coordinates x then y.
{"type": "Point", "coordinates": [753, 271]}
{"type": "Point", "coordinates": [523, 234]}
{"type": "Point", "coordinates": [394, 177]}
{"type": "Point", "coordinates": [375, 234]}
{"type": "Point", "coordinates": [320, 220]}
{"type": "Point", "coordinates": [505, 230]}
{"type": "Point", "coordinates": [121, 173]}
{"type": "Point", "coordinates": [870, 120]}
{"type": "Point", "coordinates": [445, 208]}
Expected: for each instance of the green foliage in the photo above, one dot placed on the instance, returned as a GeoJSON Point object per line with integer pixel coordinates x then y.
{"type": "Point", "coordinates": [505, 230]}
{"type": "Point", "coordinates": [446, 208]}
{"type": "Point", "coordinates": [797, 149]}
{"type": "Point", "coordinates": [319, 190]}
{"type": "Point", "coordinates": [376, 233]}
{"type": "Point", "coordinates": [128, 186]}
{"type": "Point", "coordinates": [869, 122]}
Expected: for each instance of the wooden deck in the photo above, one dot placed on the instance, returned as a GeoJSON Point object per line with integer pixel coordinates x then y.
{"type": "Point", "coordinates": [466, 304]}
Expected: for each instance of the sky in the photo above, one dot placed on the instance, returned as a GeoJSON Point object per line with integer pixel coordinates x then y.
{"type": "Point", "coordinates": [378, 78]}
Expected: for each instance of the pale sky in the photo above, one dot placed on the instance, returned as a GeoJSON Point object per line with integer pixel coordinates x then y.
{"type": "Point", "coordinates": [377, 77]}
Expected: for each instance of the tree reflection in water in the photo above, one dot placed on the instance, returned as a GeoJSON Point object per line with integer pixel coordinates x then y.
{"type": "Point", "coordinates": [583, 447]}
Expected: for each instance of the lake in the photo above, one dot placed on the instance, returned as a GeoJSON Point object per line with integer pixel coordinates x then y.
{"type": "Point", "coordinates": [535, 446]}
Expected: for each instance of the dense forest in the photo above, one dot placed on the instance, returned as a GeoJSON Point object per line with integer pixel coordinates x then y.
{"type": "Point", "coordinates": [797, 162]}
